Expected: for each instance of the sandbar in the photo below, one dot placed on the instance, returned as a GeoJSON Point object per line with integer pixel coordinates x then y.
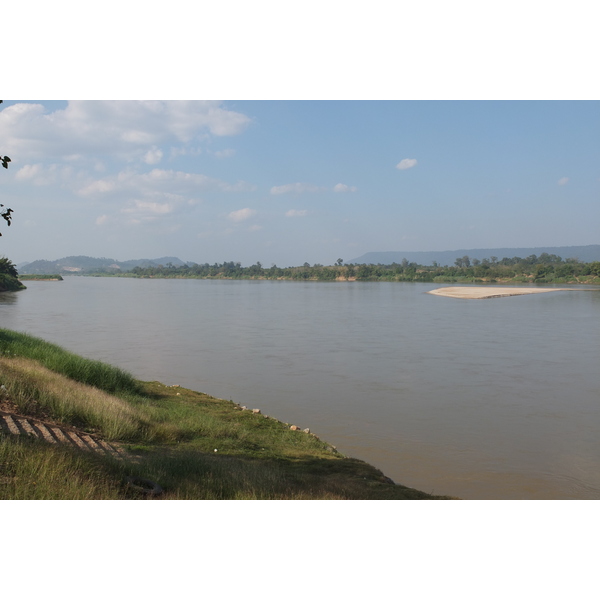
{"type": "Point", "coordinates": [486, 291]}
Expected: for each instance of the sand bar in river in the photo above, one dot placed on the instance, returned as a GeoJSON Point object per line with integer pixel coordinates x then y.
{"type": "Point", "coordinates": [486, 291]}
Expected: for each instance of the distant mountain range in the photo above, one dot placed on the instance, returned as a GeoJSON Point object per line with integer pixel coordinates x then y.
{"type": "Point", "coordinates": [447, 257]}
{"type": "Point", "coordinates": [87, 264]}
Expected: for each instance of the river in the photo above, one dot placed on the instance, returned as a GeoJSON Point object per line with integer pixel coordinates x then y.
{"type": "Point", "coordinates": [480, 399]}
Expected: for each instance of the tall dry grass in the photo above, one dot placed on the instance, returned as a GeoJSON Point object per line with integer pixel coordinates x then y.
{"type": "Point", "coordinates": [33, 470]}
{"type": "Point", "coordinates": [35, 388]}
{"type": "Point", "coordinates": [91, 372]}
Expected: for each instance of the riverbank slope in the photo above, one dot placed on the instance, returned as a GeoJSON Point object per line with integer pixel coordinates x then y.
{"type": "Point", "coordinates": [193, 445]}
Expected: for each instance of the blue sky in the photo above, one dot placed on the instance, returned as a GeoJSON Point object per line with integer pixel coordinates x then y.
{"type": "Point", "coordinates": [286, 182]}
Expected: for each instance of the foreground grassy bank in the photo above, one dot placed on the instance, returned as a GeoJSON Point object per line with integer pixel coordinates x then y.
{"type": "Point", "coordinates": [195, 446]}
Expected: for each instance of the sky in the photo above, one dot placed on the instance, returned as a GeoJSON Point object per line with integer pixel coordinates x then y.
{"type": "Point", "coordinates": [286, 182]}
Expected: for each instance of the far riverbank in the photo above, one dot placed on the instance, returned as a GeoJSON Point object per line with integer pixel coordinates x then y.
{"type": "Point", "coordinates": [543, 269]}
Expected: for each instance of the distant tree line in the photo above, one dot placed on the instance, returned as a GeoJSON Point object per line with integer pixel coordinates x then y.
{"type": "Point", "coordinates": [547, 268]}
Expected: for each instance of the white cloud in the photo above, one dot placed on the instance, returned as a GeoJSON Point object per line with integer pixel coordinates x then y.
{"type": "Point", "coordinates": [153, 156]}
{"type": "Point", "coordinates": [40, 174]}
{"type": "Point", "coordinates": [117, 128]}
{"type": "Point", "coordinates": [342, 187]}
{"type": "Point", "coordinates": [406, 163]}
{"type": "Point", "coordinates": [145, 208]}
{"type": "Point", "coordinates": [241, 215]}
{"type": "Point", "coordinates": [255, 228]}
{"type": "Point", "coordinates": [297, 188]}
{"type": "Point", "coordinates": [102, 219]}
{"type": "Point", "coordinates": [193, 181]}
{"type": "Point", "coordinates": [160, 179]}
{"type": "Point", "coordinates": [158, 193]}
{"type": "Point", "coordinates": [563, 181]}
{"type": "Point", "coordinates": [28, 171]}
{"type": "Point", "coordinates": [99, 186]}
{"type": "Point", "coordinates": [145, 211]}
{"type": "Point", "coordinates": [296, 213]}
{"type": "Point", "coordinates": [141, 138]}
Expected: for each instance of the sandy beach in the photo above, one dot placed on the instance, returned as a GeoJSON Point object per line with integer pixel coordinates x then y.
{"type": "Point", "coordinates": [486, 291]}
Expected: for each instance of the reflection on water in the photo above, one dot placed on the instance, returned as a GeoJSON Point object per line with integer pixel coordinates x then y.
{"type": "Point", "coordinates": [474, 398]}
{"type": "Point", "coordinates": [8, 298]}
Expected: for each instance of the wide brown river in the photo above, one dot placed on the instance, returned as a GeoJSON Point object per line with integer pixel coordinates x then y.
{"type": "Point", "coordinates": [480, 399]}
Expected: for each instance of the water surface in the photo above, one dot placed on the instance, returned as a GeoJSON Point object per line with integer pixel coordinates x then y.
{"type": "Point", "coordinates": [491, 398]}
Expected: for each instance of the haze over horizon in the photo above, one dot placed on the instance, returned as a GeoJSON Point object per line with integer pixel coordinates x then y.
{"type": "Point", "coordinates": [288, 182]}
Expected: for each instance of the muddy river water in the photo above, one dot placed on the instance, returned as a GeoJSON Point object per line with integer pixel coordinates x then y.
{"type": "Point", "coordinates": [480, 399]}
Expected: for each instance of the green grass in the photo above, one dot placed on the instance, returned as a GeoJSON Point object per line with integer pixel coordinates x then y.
{"type": "Point", "coordinates": [40, 392]}
{"type": "Point", "coordinates": [195, 446]}
{"type": "Point", "coordinates": [38, 277]}
{"type": "Point", "coordinates": [91, 372]}
{"type": "Point", "coordinates": [33, 470]}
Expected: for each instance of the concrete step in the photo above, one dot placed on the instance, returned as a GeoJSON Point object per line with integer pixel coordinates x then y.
{"type": "Point", "coordinates": [19, 425]}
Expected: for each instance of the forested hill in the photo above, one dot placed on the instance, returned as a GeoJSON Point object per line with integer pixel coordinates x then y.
{"type": "Point", "coordinates": [448, 257]}
{"type": "Point", "coordinates": [88, 264]}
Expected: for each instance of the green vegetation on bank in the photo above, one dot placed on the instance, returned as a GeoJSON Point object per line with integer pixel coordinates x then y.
{"type": "Point", "coordinates": [34, 470]}
{"type": "Point", "coordinates": [54, 277]}
{"type": "Point", "coordinates": [193, 445]}
{"type": "Point", "coordinates": [8, 276]}
{"type": "Point", "coordinates": [10, 284]}
{"type": "Point", "coordinates": [546, 268]}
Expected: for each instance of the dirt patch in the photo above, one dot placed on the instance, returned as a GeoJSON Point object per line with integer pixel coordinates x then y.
{"type": "Point", "coordinates": [8, 406]}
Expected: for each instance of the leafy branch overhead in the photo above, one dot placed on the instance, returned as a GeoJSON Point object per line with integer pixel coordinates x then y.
{"type": "Point", "coordinates": [6, 213]}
